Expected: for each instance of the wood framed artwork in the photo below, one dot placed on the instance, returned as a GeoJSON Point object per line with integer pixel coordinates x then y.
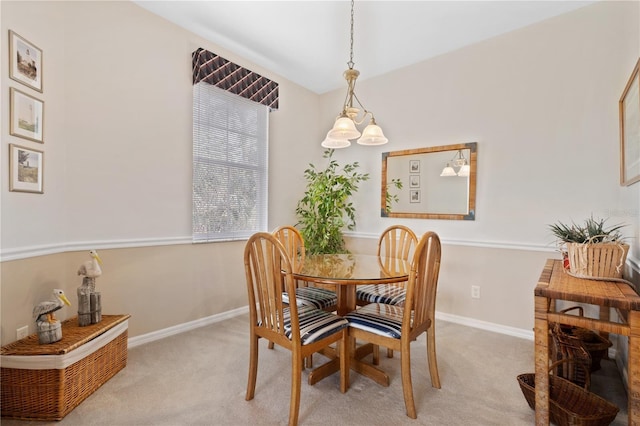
{"type": "Point", "coordinates": [25, 169]}
{"type": "Point", "coordinates": [629, 106]}
{"type": "Point", "coordinates": [25, 62]}
{"type": "Point", "coordinates": [27, 116]}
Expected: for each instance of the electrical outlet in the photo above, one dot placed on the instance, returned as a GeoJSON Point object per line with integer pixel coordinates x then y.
{"type": "Point", "coordinates": [22, 332]}
{"type": "Point", "coordinates": [475, 292]}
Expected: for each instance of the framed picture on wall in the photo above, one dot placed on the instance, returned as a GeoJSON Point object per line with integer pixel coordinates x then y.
{"type": "Point", "coordinates": [25, 169]}
{"type": "Point", "coordinates": [414, 166]}
{"type": "Point", "coordinates": [414, 181]}
{"type": "Point", "coordinates": [414, 196]}
{"type": "Point", "coordinates": [27, 116]}
{"type": "Point", "coordinates": [25, 62]}
{"type": "Point", "coordinates": [629, 106]}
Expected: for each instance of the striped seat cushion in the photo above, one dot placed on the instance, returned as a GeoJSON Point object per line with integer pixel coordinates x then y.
{"type": "Point", "coordinates": [318, 298]}
{"type": "Point", "coordinates": [378, 318]}
{"type": "Point", "coordinates": [315, 324]}
{"type": "Point", "coordinates": [389, 294]}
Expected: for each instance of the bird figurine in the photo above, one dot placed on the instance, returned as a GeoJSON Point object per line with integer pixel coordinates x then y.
{"type": "Point", "coordinates": [91, 268]}
{"type": "Point", "coordinates": [44, 310]}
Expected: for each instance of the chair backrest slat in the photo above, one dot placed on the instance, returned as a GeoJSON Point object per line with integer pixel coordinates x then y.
{"type": "Point", "coordinates": [293, 243]}
{"type": "Point", "coordinates": [396, 242]}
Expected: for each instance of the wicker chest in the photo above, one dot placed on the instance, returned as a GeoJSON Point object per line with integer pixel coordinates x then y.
{"type": "Point", "coordinates": [46, 382]}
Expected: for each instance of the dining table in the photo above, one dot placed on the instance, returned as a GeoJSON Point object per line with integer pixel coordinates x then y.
{"type": "Point", "coordinates": [345, 272]}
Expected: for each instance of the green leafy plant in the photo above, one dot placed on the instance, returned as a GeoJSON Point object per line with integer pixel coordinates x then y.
{"type": "Point", "coordinates": [389, 198]}
{"type": "Point", "coordinates": [592, 231]}
{"type": "Point", "coordinates": [326, 209]}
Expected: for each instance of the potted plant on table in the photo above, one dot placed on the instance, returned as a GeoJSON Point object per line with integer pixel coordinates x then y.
{"type": "Point", "coordinates": [326, 209]}
{"type": "Point", "coordinates": [591, 249]}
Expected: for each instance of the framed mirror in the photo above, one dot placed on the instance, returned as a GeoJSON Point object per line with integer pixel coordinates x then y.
{"type": "Point", "coordinates": [437, 182]}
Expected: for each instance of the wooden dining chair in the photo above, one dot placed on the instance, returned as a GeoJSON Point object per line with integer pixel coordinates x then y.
{"type": "Point", "coordinates": [320, 298]}
{"type": "Point", "coordinates": [396, 326]}
{"type": "Point", "coordinates": [395, 242]}
{"type": "Point", "coordinates": [306, 295]}
{"type": "Point", "coordinates": [301, 329]}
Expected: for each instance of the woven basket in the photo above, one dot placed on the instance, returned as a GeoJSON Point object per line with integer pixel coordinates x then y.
{"type": "Point", "coordinates": [569, 404]}
{"type": "Point", "coordinates": [577, 369]}
{"type": "Point", "coordinates": [601, 260]}
{"type": "Point", "coordinates": [596, 345]}
{"type": "Point", "coordinates": [51, 393]}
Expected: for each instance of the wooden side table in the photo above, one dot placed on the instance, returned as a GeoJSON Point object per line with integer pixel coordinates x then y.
{"type": "Point", "coordinates": [556, 284]}
{"type": "Point", "coordinates": [46, 382]}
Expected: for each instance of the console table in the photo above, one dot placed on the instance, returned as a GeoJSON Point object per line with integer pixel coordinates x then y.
{"type": "Point", "coordinates": [555, 284]}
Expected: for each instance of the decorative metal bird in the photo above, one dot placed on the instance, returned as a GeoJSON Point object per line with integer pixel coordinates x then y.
{"type": "Point", "coordinates": [91, 268]}
{"type": "Point", "coordinates": [48, 307]}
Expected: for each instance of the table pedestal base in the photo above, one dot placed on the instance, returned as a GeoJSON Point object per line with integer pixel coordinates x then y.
{"type": "Point", "coordinates": [356, 364]}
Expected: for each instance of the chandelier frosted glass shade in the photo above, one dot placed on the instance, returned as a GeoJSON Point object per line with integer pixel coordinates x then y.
{"type": "Point", "coordinates": [331, 143]}
{"type": "Point", "coordinates": [448, 171]}
{"type": "Point", "coordinates": [372, 135]}
{"type": "Point", "coordinates": [343, 128]}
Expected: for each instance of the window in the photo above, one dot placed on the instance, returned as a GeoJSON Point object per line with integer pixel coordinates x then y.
{"type": "Point", "coordinates": [230, 140]}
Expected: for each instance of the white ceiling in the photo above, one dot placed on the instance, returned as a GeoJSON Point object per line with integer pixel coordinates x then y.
{"type": "Point", "coordinates": [307, 42]}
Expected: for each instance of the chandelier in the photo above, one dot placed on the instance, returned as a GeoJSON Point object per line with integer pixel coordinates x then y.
{"type": "Point", "coordinates": [345, 126]}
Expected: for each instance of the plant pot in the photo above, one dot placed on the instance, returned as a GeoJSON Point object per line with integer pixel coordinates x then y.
{"type": "Point", "coordinates": [598, 260]}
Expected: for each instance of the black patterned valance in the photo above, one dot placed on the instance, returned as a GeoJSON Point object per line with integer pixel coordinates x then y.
{"type": "Point", "coordinates": [216, 70]}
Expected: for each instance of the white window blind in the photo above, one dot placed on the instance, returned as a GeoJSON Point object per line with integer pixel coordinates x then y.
{"type": "Point", "coordinates": [230, 140]}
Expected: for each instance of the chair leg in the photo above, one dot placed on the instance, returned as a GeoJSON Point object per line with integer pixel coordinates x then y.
{"type": "Point", "coordinates": [431, 358]}
{"type": "Point", "coordinates": [345, 354]}
{"type": "Point", "coordinates": [270, 345]}
{"type": "Point", "coordinates": [376, 355]}
{"type": "Point", "coordinates": [407, 386]}
{"type": "Point", "coordinates": [296, 384]}
{"type": "Point", "coordinates": [253, 367]}
{"type": "Point", "coordinates": [309, 361]}
{"type": "Point", "coordinates": [389, 353]}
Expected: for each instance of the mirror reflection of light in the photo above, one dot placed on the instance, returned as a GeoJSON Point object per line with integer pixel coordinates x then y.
{"type": "Point", "coordinates": [458, 161]}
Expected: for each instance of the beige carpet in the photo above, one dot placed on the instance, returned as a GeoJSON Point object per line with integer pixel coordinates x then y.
{"type": "Point", "coordinates": [199, 378]}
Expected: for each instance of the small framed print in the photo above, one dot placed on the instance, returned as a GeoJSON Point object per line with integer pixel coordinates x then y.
{"type": "Point", "coordinates": [25, 169]}
{"type": "Point", "coordinates": [414, 181]}
{"type": "Point", "coordinates": [414, 166]}
{"type": "Point", "coordinates": [414, 196]}
{"type": "Point", "coordinates": [25, 62]}
{"type": "Point", "coordinates": [629, 107]}
{"type": "Point", "coordinates": [27, 116]}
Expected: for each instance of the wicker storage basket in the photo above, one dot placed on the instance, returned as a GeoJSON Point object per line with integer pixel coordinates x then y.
{"type": "Point", "coordinates": [577, 368]}
{"type": "Point", "coordinates": [46, 382]}
{"type": "Point", "coordinates": [570, 404]}
{"type": "Point", "coordinates": [596, 345]}
{"type": "Point", "coordinates": [598, 260]}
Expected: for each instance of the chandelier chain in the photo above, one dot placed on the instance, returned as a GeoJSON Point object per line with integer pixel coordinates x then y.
{"type": "Point", "coordinates": [351, 63]}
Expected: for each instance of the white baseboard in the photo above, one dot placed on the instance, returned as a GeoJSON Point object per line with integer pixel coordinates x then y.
{"type": "Point", "coordinates": [181, 328]}
{"type": "Point", "coordinates": [484, 325]}
{"type": "Point", "coordinates": [187, 326]}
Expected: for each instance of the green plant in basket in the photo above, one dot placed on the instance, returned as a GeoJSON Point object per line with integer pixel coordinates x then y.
{"type": "Point", "coordinates": [592, 249]}
{"type": "Point", "coordinates": [592, 231]}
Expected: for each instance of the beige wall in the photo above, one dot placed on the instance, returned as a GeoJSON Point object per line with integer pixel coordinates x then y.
{"type": "Point", "coordinates": [541, 102]}
{"type": "Point", "coordinates": [117, 93]}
